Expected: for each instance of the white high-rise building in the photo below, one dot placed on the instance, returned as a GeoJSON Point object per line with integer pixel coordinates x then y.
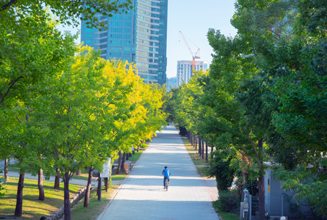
{"type": "Point", "coordinates": [184, 70]}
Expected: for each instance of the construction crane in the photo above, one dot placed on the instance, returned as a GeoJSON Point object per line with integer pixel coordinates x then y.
{"type": "Point", "coordinates": [193, 56]}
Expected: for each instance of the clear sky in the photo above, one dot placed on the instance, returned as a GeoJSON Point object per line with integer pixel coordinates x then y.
{"type": "Point", "coordinates": [193, 18]}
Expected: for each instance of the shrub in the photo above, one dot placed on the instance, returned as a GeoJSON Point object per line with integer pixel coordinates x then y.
{"type": "Point", "coordinates": [228, 201]}
{"type": "Point", "coordinates": [222, 170]}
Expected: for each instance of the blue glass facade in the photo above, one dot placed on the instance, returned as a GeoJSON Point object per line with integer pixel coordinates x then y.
{"type": "Point", "coordinates": [139, 36]}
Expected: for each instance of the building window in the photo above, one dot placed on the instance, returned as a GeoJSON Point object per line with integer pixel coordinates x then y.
{"type": "Point", "coordinates": [115, 41]}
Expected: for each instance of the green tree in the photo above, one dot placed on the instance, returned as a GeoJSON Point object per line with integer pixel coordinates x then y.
{"type": "Point", "coordinates": [79, 100]}
{"type": "Point", "coordinates": [68, 12]}
{"type": "Point", "coordinates": [28, 60]}
{"type": "Point", "coordinates": [293, 52]}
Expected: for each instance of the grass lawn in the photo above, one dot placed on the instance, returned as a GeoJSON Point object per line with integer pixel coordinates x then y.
{"type": "Point", "coordinates": [136, 156]}
{"type": "Point", "coordinates": [32, 207]}
{"type": "Point", "coordinates": [95, 207]}
{"type": "Point", "coordinates": [228, 216]}
{"type": "Point", "coordinates": [192, 153]}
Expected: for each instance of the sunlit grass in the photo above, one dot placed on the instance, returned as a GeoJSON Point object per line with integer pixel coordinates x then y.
{"type": "Point", "coordinates": [95, 207]}
{"type": "Point", "coordinates": [192, 153]}
{"type": "Point", "coordinates": [136, 156]}
{"type": "Point", "coordinates": [32, 207]}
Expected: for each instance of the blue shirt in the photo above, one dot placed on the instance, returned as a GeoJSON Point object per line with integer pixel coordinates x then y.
{"type": "Point", "coordinates": [166, 173]}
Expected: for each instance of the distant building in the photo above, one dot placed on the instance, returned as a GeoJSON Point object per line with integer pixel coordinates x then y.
{"type": "Point", "coordinates": [184, 70]}
{"type": "Point", "coordinates": [140, 36]}
{"type": "Point", "coordinates": [171, 83]}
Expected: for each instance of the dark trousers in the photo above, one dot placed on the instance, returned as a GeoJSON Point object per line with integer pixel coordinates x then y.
{"type": "Point", "coordinates": [165, 180]}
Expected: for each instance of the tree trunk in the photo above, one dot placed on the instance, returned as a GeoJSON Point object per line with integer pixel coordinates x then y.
{"type": "Point", "coordinates": [40, 185]}
{"type": "Point", "coordinates": [193, 141]}
{"type": "Point", "coordinates": [261, 196]}
{"type": "Point", "coordinates": [123, 161]}
{"type": "Point", "coordinates": [88, 188]}
{"type": "Point", "coordinates": [138, 148]}
{"type": "Point", "coordinates": [19, 197]}
{"type": "Point", "coordinates": [5, 170]}
{"type": "Point", "coordinates": [196, 142]}
{"type": "Point", "coordinates": [99, 188]}
{"type": "Point", "coordinates": [200, 150]}
{"type": "Point", "coordinates": [206, 152]}
{"type": "Point", "coordinates": [262, 210]}
{"type": "Point", "coordinates": [66, 197]}
{"type": "Point", "coordinates": [119, 163]}
{"type": "Point", "coordinates": [127, 156]}
{"type": "Point", "coordinates": [57, 180]}
{"type": "Point", "coordinates": [211, 152]}
{"type": "Point", "coordinates": [78, 173]}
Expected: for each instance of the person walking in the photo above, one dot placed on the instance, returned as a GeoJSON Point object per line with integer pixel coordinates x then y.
{"type": "Point", "coordinates": [166, 175]}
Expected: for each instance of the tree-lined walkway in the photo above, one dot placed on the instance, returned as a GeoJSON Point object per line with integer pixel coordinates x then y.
{"type": "Point", "coordinates": [142, 195]}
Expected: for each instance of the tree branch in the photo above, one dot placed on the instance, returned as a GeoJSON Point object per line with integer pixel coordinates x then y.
{"type": "Point", "coordinates": [18, 119]}
{"type": "Point", "coordinates": [11, 85]}
{"type": "Point", "coordinates": [249, 139]}
{"type": "Point", "coordinates": [10, 3]}
{"type": "Point", "coordinates": [243, 149]}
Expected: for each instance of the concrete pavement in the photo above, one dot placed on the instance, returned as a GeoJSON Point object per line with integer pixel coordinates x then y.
{"type": "Point", "coordinates": [52, 178]}
{"type": "Point", "coordinates": [142, 196]}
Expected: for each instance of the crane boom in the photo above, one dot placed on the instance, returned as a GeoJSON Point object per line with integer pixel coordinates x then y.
{"type": "Point", "coordinates": [186, 44]}
{"type": "Point", "coordinates": [193, 56]}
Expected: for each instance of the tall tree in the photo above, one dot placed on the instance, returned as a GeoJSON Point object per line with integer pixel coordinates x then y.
{"type": "Point", "coordinates": [29, 57]}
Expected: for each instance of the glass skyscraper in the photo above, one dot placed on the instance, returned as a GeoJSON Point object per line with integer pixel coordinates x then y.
{"type": "Point", "coordinates": [139, 36]}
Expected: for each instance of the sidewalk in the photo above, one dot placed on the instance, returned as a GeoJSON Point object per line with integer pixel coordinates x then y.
{"type": "Point", "coordinates": [52, 178]}
{"type": "Point", "coordinates": [142, 196]}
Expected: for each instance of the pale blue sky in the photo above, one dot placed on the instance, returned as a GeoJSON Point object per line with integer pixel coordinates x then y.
{"type": "Point", "coordinates": [193, 18]}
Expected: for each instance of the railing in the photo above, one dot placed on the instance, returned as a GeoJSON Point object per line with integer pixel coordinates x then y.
{"type": "Point", "coordinates": [254, 207]}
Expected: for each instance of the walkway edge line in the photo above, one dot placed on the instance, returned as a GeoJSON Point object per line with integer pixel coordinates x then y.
{"type": "Point", "coordinates": [107, 206]}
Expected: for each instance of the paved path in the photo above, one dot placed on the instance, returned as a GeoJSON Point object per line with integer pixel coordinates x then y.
{"type": "Point", "coordinates": [142, 197]}
{"type": "Point", "coordinates": [52, 178]}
